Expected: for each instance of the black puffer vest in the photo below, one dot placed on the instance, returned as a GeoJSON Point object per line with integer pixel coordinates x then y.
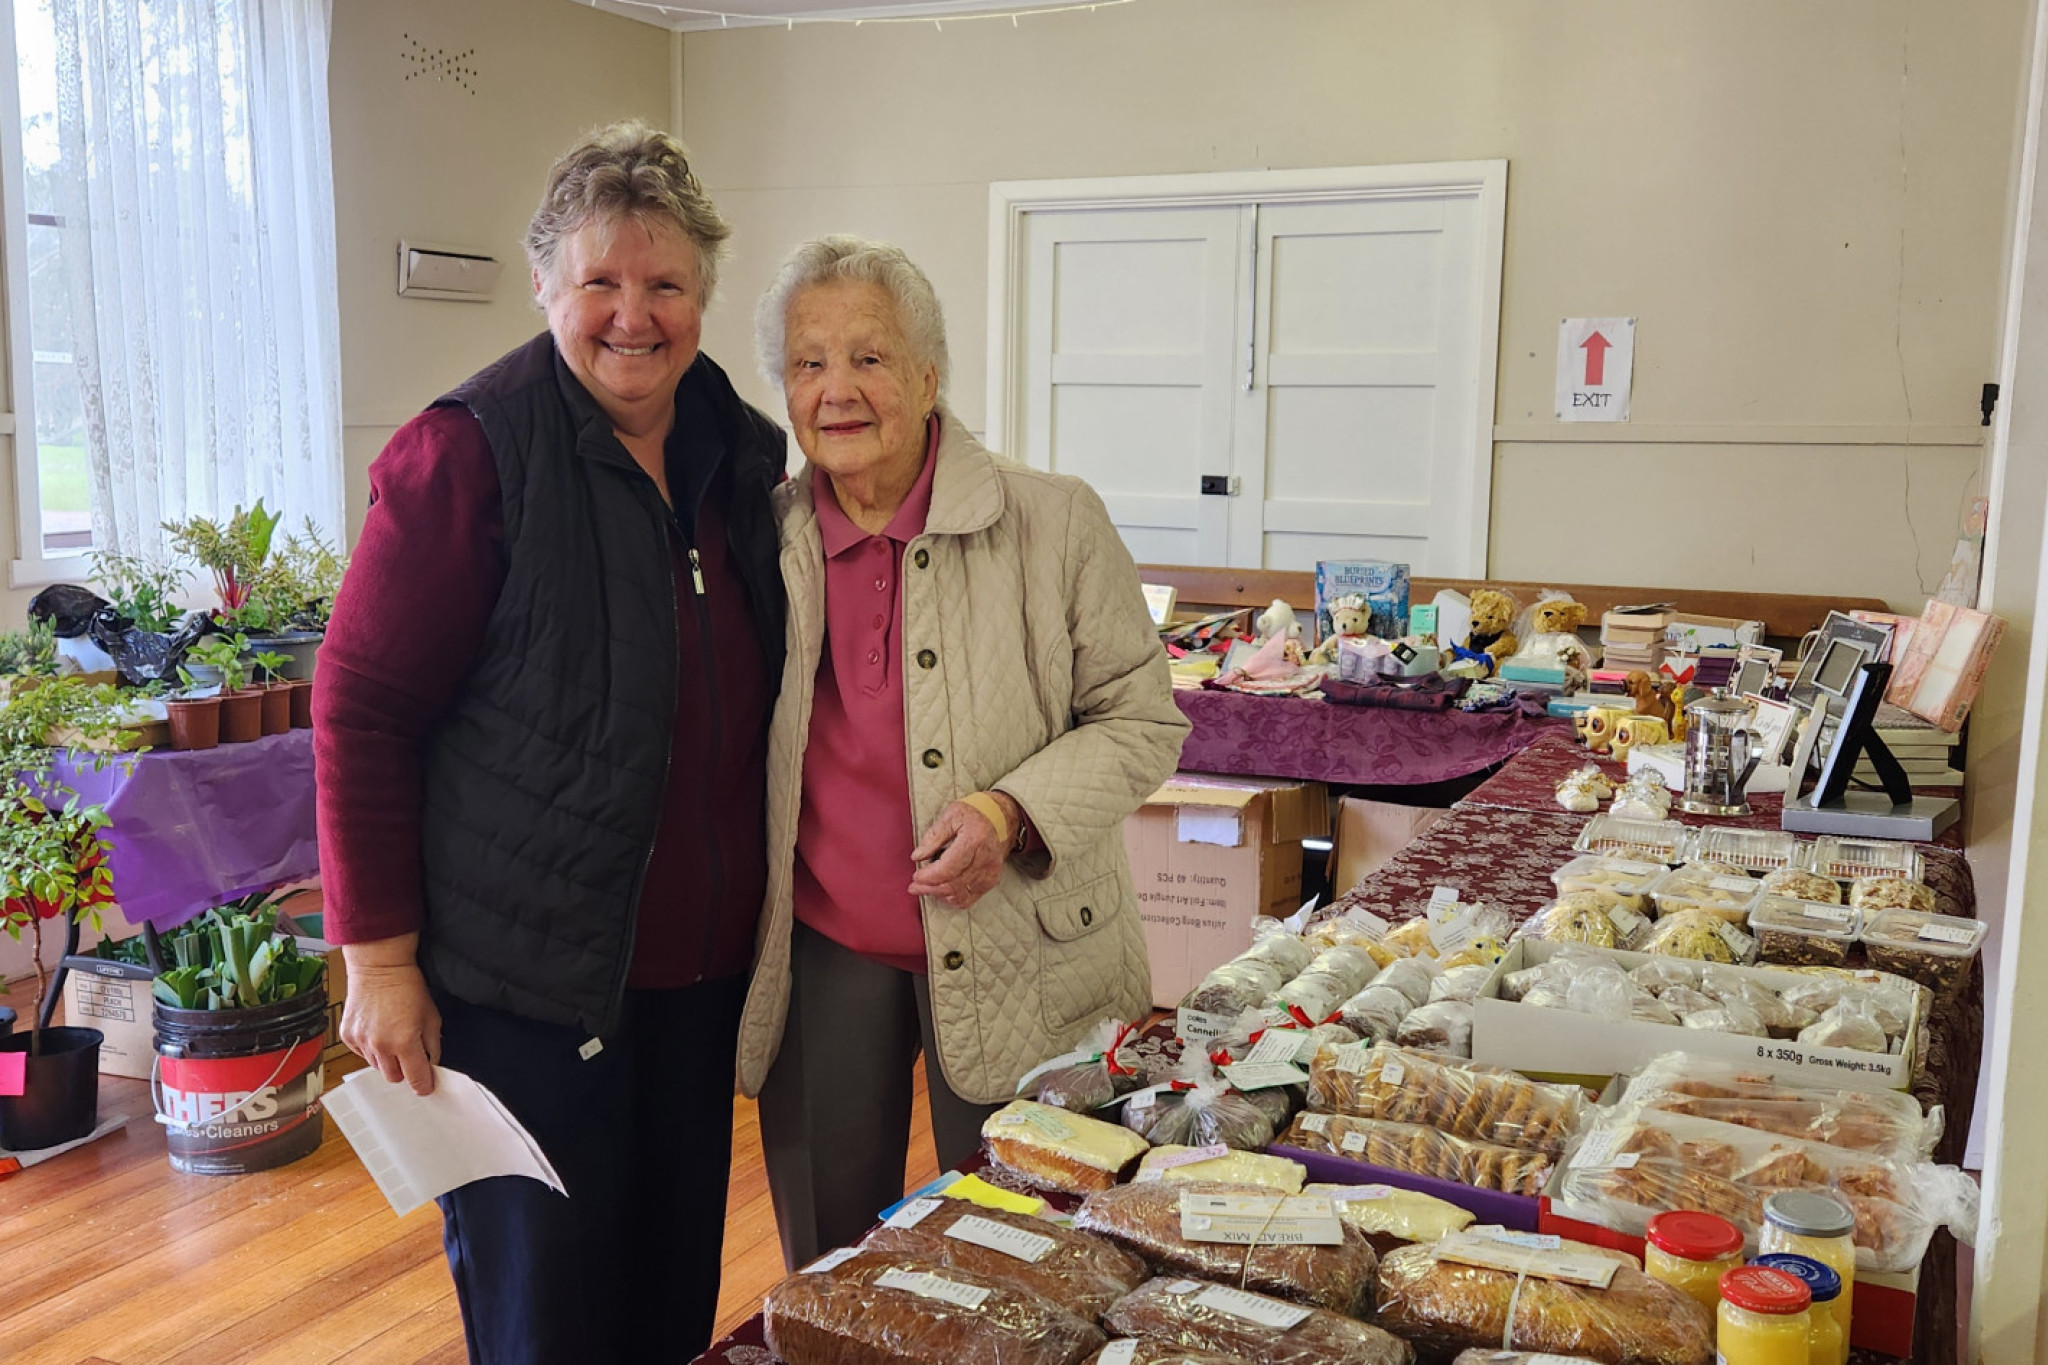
{"type": "Point", "coordinates": [543, 786]}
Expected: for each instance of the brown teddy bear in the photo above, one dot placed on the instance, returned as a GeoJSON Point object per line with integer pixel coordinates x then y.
{"type": "Point", "coordinates": [1493, 616]}
{"type": "Point", "coordinates": [1557, 616]}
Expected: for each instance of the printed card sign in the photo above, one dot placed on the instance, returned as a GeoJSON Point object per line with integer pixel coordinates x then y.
{"type": "Point", "coordinates": [927, 1285]}
{"type": "Point", "coordinates": [1255, 1308]}
{"type": "Point", "coordinates": [1595, 364]}
{"type": "Point", "coordinates": [1264, 1075]}
{"type": "Point", "coordinates": [1029, 1247]}
{"type": "Point", "coordinates": [1260, 1220]}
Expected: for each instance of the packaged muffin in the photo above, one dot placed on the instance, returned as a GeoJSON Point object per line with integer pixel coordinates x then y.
{"type": "Point", "coordinates": [1800, 884]}
{"type": "Point", "coordinates": [1934, 950]}
{"type": "Point", "coordinates": [1702, 936]}
{"type": "Point", "coordinates": [1795, 933]}
{"type": "Point", "coordinates": [1891, 893]}
{"type": "Point", "coordinates": [1695, 887]}
{"type": "Point", "coordinates": [1626, 879]}
{"type": "Point", "coordinates": [1599, 918]}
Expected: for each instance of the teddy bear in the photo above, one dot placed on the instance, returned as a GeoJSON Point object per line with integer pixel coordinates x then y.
{"type": "Point", "coordinates": [1493, 615]}
{"type": "Point", "coordinates": [1350, 615]}
{"type": "Point", "coordinates": [1557, 616]}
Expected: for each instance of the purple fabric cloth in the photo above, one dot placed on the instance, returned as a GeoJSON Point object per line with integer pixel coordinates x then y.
{"type": "Point", "coordinates": [1424, 694]}
{"type": "Point", "coordinates": [1315, 741]}
{"type": "Point", "coordinates": [192, 829]}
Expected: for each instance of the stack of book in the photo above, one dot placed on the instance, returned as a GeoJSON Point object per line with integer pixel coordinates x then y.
{"type": "Point", "coordinates": [1633, 640]}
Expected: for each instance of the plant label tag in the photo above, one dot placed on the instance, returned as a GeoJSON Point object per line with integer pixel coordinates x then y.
{"type": "Point", "coordinates": [1252, 1307]}
{"type": "Point", "coordinates": [986, 1232]}
{"type": "Point", "coordinates": [929, 1286]}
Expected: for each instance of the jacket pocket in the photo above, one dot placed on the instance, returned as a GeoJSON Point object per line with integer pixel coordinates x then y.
{"type": "Point", "coordinates": [1079, 975]}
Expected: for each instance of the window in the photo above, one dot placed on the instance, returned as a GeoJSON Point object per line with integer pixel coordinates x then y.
{"type": "Point", "coordinates": [169, 231]}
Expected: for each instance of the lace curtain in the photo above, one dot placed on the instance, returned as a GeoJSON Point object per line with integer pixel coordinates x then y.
{"type": "Point", "coordinates": [194, 142]}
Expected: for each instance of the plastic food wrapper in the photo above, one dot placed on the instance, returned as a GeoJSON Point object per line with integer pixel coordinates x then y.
{"type": "Point", "coordinates": [1057, 1150]}
{"type": "Point", "coordinates": [1934, 950]}
{"type": "Point", "coordinates": [1099, 1070]}
{"type": "Point", "coordinates": [1444, 1305]}
{"type": "Point", "coordinates": [1389, 1216]}
{"type": "Point", "coordinates": [1131, 1351]}
{"type": "Point", "coordinates": [1803, 885]}
{"type": "Point", "coordinates": [1463, 1099]}
{"type": "Point", "coordinates": [1728, 1017]}
{"type": "Point", "coordinates": [1625, 879]}
{"type": "Point", "coordinates": [1411, 939]}
{"type": "Point", "coordinates": [1700, 936]}
{"type": "Point", "coordinates": [1222, 1167]}
{"type": "Point", "coordinates": [1887, 1122]}
{"type": "Point", "coordinates": [1481, 1356]}
{"type": "Point", "coordinates": [889, 1310]}
{"type": "Point", "coordinates": [1085, 1273]}
{"type": "Point", "coordinates": [1209, 1113]}
{"type": "Point", "coordinates": [1716, 888]}
{"type": "Point", "coordinates": [1730, 987]}
{"type": "Point", "coordinates": [1851, 1024]}
{"type": "Point", "coordinates": [1411, 976]}
{"type": "Point", "coordinates": [1275, 956]}
{"type": "Point", "coordinates": [1416, 1150]}
{"type": "Point", "coordinates": [1633, 1164]}
{"type": "Point", "coordinates": [1375, 1012]}
{"type": "Point", "coordinates": [1460, 983]}
{"type": "Point", "coordinates": [1146, 1219]}
{"type": "Point", "coordinates": [1891, 893]}
{"type": "Point", "coordinates": [1445, 1026]}
{"type": "Point", "coordinates": [1658, 977]}
{"type": "Point", "coordinates": [1597, 918]}
{"type": "Point", "coordinates": [1333, 977]}
{"type": "Point", "coordinates": [1250, 1326]}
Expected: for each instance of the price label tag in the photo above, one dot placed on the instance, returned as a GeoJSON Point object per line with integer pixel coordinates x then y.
{"type": "Point", "coordinates": [1146, 1098]}
{"type": "Point", "coordinates": [1118, 1353]}
{"type": "Point", "coordinates": [1631, 867]}
{"type": "Point", "coordinates": [1367, 923]}
{"type": "Point", "coordinates": [929, 1286]}
{"type": "Point", "coordinates": [1737, 941]}
{"type": "Point", "coordinates": [1363, 1194]}
{"type": "Point", "coordinates": [1833, 914]}
{"type": "Point", "coordinates": [1044, 1119]}
{"type": "Point", "coordinates": [1527, 1253]}
{"type": "Point", "coordinates": [1252, 1307]}
{"type": "Point", "coordinates": [1264, 1075]}
{"type": "Point", "coordinates": [1745, 885]}
{"type": "Point", "coordinates": [831, 1260]}
{"type": "Point", "coordinates": [1198, 1029]}
{"type": "Point", "coordinates": [1028, 1247]}
{"type": "Point", "coordinates": [1392, 1072]}
{"type": "Point", "coordinates": [1192, 1155]}
{"type": "Point", "coordinates": [1959, 934]}
{"type": "Point", "coordinates": [1260, 1220]}
{"type": "Point", "coordinates": [1315, 1123]}
{"type": "Point", "coordinates": [1443, 903]}
{"type": "Point", "coordinates": [1624, 920]}
{"type": "Point", "coordinates": [913, 1213]}
{"type": "Point", "coordinates": [1276, 1045]}
{"type": "Point", "coordinates": [1598, 1153]}
{"type": "Point", "coordinates": [1354, 1142]}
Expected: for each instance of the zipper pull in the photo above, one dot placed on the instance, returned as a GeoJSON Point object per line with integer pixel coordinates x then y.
{"type": "Point", "coordinates": [696, 572]}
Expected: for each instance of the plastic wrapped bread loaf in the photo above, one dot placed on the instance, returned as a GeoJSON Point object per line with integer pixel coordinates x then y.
{"type": "Point", "coordinates": [1131, 1351]}
{"type": "Point", "coordinates": [1085, 1273]}
{"type": "Point", "coordinates": [1251, 1327]}
{"type": "Point", "coordinates": [1146, 1219]}
{"type": "Point", "coordinates": [891, 1310]}
{"type": "Point", "coordinates": [1479, 1355]}
{"type": "Point", "coordinates": [1463, 1099]}
{"type": "Point", "coordinates": [1389, 1217]}
{"type": "Point", "coordinates": [1229, 1168]}
{"type": "Point", "coordinates": [1417, 1150]}
{"type": "Point", "coordinates": [1056, 1150]}
{"type": "Point", "coordinates": [1444, 1306]}
{"type": "Point", "coordinates": [1886, 1122]}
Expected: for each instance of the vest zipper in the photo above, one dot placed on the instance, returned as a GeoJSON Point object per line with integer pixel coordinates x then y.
{"type": "Point", "coordinates": [696, 570]}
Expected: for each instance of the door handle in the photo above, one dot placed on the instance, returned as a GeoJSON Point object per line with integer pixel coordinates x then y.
{"type": "Point", "coordinates": [1220, 485]}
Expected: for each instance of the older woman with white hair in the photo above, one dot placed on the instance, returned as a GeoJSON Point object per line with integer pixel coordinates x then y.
{"type": "Point", "coordinates": [540, 730]}
{"type": "Point", "coordinates": [973, 699]}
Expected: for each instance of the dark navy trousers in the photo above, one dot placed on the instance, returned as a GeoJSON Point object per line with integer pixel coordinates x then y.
{"type": "Point", "coordinates": [626, 1267]}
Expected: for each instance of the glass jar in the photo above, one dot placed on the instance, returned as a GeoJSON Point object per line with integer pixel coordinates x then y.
{"type": "Point", "coordinates": [1763, 1318]}
{"type": "Point", "coordinates": [1810, 1223]}
{"type": "Point", "coordinates": [1826, 1342]}
{"type": "Point", "coordinates": [1691, 1252]}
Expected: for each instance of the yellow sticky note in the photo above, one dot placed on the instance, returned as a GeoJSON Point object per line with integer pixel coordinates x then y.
{"type": "Point", "coordinates": [975, 1190]}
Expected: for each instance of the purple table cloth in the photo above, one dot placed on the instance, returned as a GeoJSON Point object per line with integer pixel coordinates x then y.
{"type": "Point", "coordinates": [193, 829]}
{"type": "Point", "coordinates": [1322, 742]}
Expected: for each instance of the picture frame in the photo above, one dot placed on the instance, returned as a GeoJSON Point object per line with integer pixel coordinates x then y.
{"type": "Point", "coordinates": [1776, 725]}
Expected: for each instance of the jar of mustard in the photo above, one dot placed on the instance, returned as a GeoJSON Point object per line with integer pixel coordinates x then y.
{"type": "Point", "coordinates": [1691, 1252]}
{"type": "Point", "coordinates": [1763, 1318]}
{"type": "Point", "coordinates": [1826, 1342]}
{"type": "Point", "coordinates": [1814, 1224]}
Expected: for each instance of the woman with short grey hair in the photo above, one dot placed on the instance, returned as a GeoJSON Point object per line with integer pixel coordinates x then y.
{"type": "Point", "coordinates": [540, 730]}
{"type": "Point", "coordinates": [973, 700]}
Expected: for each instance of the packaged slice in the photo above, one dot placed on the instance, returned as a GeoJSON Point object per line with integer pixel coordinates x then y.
{"type": "Point", "coordinates": [888, 1310]}
{"type": "Point", "coordinates": [1701, 936]}
{"type": "Point", "coordinates": [1416, 1150]}
{"type": "Point", "coordinates": [1389, 1216]}
{"type": "Point", "coordinates": [1463, 1099]}
{"type": "Point", "coordinates": [1753, 850]}
{"type": "Point", "coordinates": [1847, 859]}
{"type": "Point", "coordinates": [1085, 1273]}
{"type": "Point", "coordinates": [1376, 1012]}
{"type": "Point", "coordinates": [1659, 841]}
{"type": "Point", "coordinates": [1444, 1305]}
{"type": "Point", "coordinates": [1886, 1122]}
{"type": "Point", "coordinates": [1597, 918]}
{"type": "Point", "coordinates": [1934, 950]}
{"type": "Point", "coordinates": [1057, 1150]}
{"type": "Point", "coordinates": [1873, 894]}
{"type": "Point", "coordinates": [1253, 1327]}
{"type": "Point", "coordinates": [1803, 884]}
{"type": "Point", "coordinates": [1147, 1219]}
{"type": "Point", "coordinates": [1223, 1167]}
{"type": "Point", "coordinates": [1697, 887]}
{"type": "Point", "coordinates": [1626, 879]}
{"type": "Point", "coordinates": [1795, 933]}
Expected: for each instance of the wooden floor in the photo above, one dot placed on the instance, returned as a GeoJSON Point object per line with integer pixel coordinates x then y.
{"type": "Point", "coordinates": [113, 1258]}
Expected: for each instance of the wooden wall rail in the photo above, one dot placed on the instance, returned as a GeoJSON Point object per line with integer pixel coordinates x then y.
{"type": "Point", "coordinates": [1787, 615]}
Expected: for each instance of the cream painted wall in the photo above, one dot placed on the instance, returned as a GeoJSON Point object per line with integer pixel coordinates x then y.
{"type": "Point", "coordinates": [423, 159]}
{"type": "Point", "coordinates": [1803, 205]}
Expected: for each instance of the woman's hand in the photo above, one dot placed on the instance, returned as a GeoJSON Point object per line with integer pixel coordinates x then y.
{"type": "Point", "coordinates": [389, 1019]}
{"type": "Point", "coordinates": [972, 859]}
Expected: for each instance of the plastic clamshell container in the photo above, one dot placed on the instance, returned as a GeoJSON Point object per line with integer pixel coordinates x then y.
{"type": "Point", "coordinates": [1847, 859]}
{"type": "Point", "coordinates": [1934, 950]}
{"type": "Point", "coordinates": [1698, 888]}
{"type": "Point", "coordinates": [1662, 841]}
{"type": "Point", "coordinates": [1759, 850]}
{"type": "Point", "coordinates": [1628, 878]}
{"type": "Point", "coordinates": [1796, 933]}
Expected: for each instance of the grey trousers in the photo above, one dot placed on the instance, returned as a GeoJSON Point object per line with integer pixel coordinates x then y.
{"type": "Point", "coordinates": [835, 1112]}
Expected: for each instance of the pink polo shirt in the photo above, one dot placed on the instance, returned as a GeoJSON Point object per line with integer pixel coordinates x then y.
{"type": "Point", "coordinates": [855, 835]}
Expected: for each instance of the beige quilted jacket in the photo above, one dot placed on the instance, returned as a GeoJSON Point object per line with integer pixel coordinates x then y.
{"type": "Point", "coordinates": [1029, 664]}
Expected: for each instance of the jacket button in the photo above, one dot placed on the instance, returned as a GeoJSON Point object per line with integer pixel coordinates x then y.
{"type": "Point", "coordinates": [927, 659]}
{"type": "Point", "coordinates": [923, 559]}
{"type": "Point", "coordinates": [954, 961]}
{"type": "Point", "coordinates": [1087, 916]}
{"type": "Point", "coordinates": [933, 758]}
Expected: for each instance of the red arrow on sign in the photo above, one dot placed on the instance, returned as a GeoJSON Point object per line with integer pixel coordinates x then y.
{"type": "Point", "coordinates": [1596, 348]}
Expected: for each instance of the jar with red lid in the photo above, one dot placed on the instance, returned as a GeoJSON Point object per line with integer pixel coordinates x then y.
{"type": "Point", "coordinates": [1763, 1318]}
{"type": "Point", "coordinates": [1691, 1252]}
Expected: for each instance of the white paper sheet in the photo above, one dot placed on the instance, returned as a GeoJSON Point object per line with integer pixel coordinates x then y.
{"type": "Point", "coordinates": [419, 1147]}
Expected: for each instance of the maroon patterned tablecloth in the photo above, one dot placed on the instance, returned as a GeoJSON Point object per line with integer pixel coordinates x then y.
{"type": "Point", "coordinates": [1321, 741]}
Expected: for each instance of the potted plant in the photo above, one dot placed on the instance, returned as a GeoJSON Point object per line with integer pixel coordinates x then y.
{"type": "Point", "coordinates": [142, 590]}
{"type": "Point", "coordinates": [241, 706]}
{"type": "Point", "coordinates": [233, 553]}
{"type": "Point", "coordinates": [291, 599]}
{"type": "Point", "coordinates": [277, 691]}
{"type": "Point", "coordinates": [27, 658]}
{"type": "Point", "coordinates": [194, 714]}
{"type": "Point", "coordinates": [54, 860]}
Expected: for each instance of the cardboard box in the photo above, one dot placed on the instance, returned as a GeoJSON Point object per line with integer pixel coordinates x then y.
{"type": "Point", "coordinates": [1209, 855]}
{"type": "Point", "coordinates": [1369, 833]}
{"type": "Point", "coordinates": [1561, 1045]}
{"type": "Point", "coordinates": [114, 998]}
{"type": "Point", "coordinates": [1689, 634]}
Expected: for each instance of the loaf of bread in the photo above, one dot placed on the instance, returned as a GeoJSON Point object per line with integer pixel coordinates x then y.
{"type": "Point", "coordinates": [1482, 1356]}
{"type": "Point", "coordinates": [1390, 1217]}
{"type": "Point", "coordinates": [1445, 1306]}
{"type": "Point", "coordinates": [1146, 1219]}
{"type": "Point", "coordinates": [1231, 1168]}
{"type": "Point", "coordinates": [1131, 1351]}
{"type": "Point", "coordinates": [1251, 1327]}
{"type": "Point", "coordinates": [889, 1310]}
{"type": "Point", "coordinates": [1085, 1273]}
{"type": "Point", "coordinates": [1463, 1099]}
{"type": "Point", "coordinates": [1057, 1150]}
{"type": "Point", "coordinates": [1416, 1150]}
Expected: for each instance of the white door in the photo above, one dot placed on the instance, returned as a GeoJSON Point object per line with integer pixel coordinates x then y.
{"type": "Point", "coordinates": [1129, 320]}
{"type": "Point", "coordinates": [1355, 440]}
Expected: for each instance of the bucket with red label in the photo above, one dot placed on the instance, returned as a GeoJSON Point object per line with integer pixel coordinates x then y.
{"type": "Point", "coordinates": [238, 1090]}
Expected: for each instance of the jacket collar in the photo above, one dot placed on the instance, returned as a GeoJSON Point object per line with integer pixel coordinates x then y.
{"type": "Point", "coordinates": [967, 488]}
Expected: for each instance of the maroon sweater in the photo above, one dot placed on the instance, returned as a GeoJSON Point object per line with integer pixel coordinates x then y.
{"type": "Point", "coordinates": [406, 630]}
